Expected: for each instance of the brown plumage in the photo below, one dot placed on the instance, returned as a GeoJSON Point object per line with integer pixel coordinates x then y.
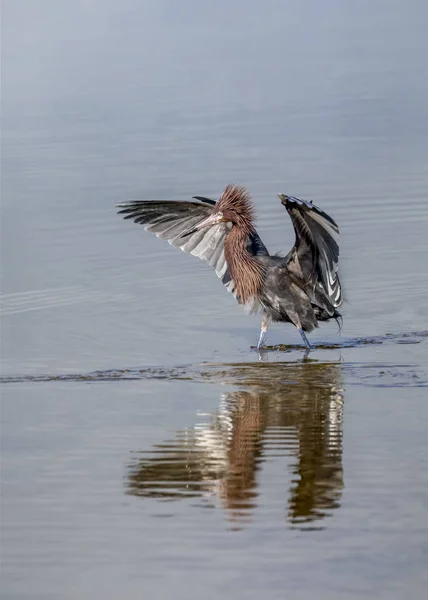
{"type": "Point", "coordinates": [302, 288]}
{"type": "Point", "coordinates": [236, 205]}
{"type": "Point", "coordinates": [245, 270]}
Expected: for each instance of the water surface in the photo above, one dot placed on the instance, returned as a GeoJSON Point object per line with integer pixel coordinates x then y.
{"type": "Point", "coordinates": [147, 451]}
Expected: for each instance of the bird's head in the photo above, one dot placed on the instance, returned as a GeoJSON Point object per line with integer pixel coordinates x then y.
{"type": "Point", "coordinates": [234, 207]}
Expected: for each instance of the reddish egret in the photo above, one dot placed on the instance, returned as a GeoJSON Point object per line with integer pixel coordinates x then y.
{"type": "Point", "coordinates": [301, 288]}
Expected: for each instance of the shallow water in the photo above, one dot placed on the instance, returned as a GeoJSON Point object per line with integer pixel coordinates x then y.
{"type": "Point", "coordinates": [147, 449]}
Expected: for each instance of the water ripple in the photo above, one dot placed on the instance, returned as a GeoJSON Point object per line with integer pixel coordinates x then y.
{"type": "Point", "coordinates": [382, 374]}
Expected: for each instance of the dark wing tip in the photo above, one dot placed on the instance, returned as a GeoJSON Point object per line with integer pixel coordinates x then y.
{"type": "Point", "coordinates": [291, 202]}
{"type": "Point", "coordinates": [130, 204]}
{"type": "Point", "coordinates": [206, 200]}
{"type": "Point", "coordinates": [126, 208]}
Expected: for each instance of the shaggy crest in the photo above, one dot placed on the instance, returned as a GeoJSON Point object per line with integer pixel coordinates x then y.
{"type": "Point", "coordinates": [236, 205]}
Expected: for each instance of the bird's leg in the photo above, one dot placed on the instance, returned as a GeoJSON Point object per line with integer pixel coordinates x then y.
{"type": "Point", "coordinates": [305, 339]}
{"type": "Point", "coordinates": [261, 338]}
{"type": "Point", "coordinates": [266, 321]}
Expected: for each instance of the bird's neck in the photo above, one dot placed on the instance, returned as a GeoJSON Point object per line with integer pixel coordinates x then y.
{"type": "Point", "coordinates": [245, 270]}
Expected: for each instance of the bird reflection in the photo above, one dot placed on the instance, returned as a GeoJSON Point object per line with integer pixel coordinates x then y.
{"type": "Point", "coordinates": [284, 412]}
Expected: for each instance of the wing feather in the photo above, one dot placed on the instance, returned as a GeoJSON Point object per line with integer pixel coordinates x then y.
{"type": "Point", "coordinates": [169, 219]}
{"type": "Point", "coordinates": [315, 255]}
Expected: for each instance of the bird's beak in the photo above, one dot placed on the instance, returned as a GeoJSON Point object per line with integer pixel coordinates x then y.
{"type": "Point", "coordinates": [283, 199]}
{"type": "Point", "coordinates": [208, 222]}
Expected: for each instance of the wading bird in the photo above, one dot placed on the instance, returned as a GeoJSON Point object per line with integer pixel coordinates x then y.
{"type": "Point", "coordinates": [301, 288]}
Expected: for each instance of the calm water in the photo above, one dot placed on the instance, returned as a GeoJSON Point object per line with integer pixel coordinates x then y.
{"type": "Point", "coordinates": [146, 451]}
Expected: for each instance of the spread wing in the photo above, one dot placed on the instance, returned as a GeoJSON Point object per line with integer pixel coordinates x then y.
{"type": "Point", "coordinates": [315, 255]}
{"type": "Point", "coordinates": [169, 220]}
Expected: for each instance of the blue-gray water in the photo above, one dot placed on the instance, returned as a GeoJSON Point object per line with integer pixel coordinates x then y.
{"type": "Point", "coordinates": [146, 451]}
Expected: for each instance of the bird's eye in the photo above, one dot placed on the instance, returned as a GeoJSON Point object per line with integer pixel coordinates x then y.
{"type": "Point", "coordinates": [219, 217]}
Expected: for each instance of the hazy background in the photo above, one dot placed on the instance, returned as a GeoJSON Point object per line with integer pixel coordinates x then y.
{"type": "Point", "coordinates": [109, 101]}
